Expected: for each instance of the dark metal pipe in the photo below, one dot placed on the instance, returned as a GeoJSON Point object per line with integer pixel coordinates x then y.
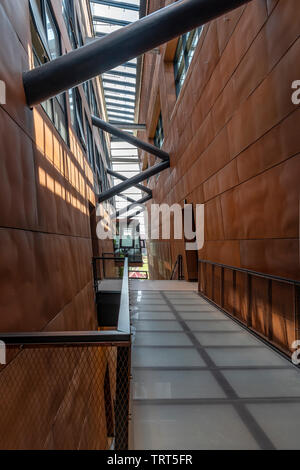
{"type": "Point", "coordinates": [65, 337]}
{"type": "Point", "coordinates": [123, 178]}
{"type": "Point", "coordinates": [122, 45]}
{"type": "Point", "coordinates": [119, 188]}
{"type": "Point", "coordinates": [105, 126]}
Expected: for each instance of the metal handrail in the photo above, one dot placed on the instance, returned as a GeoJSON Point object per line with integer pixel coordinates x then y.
{"type": "Point", "coordinates": [124, 313]}
{"type": "Point", "coordinates": [64, 337]}
{"type": "Point", "coordinates": [253, 273]}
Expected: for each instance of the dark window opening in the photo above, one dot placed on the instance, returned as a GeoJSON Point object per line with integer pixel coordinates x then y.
{"type": "Point", "coordinates": [104, 148]}
{"type": "Point", "coordinates": [70, 20]}
{"type": "Point", "coordinates": [76, 115]}
{"type": "Point", "coordinates": [93, 103]}
{"type": "Point", "coordinates": [159, 137]}
{"type": "Point", "coordinates": [159, 133]}
{"type": "Point", "coordinates": [87, 92]}
{"type": "Point", "coordinates": [90, 144]}
{"type": "Point", "coordinates": [79, 35]}
{"type": "Point", "coordinates": [183, 56]}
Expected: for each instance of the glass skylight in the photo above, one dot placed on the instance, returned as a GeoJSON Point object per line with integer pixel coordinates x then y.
{"type": "Point", "coordinates": [119, 87]}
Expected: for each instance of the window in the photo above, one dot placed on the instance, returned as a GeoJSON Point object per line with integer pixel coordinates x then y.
{"type": "Point", "coordinates": [47, 46]}
{"type": "Point", "coordinates": [87, 92]}
{"type": "Point", "coordinates": [159, 133]}
{"type": "Point", "coordinates": [52, 33]}
{"type": "Point", "coordinates": [80, 38]}
{"type": "Point", "coordinates": [69, 16]}
{"type": "Point", "coordinates": [90, 144]}
{"type": "Point", "coordinates": [159, 137]}
{"type": "Point", "coordinates": [94, 105]}
{"type": "Point", "coordinates": [104, 147]}
{"type": "Point", "coordinates": [76, 115]}
{"type": "Point", "coordinates": [101, 173]}
{"type": "Point", "coordinates": [184, 55]}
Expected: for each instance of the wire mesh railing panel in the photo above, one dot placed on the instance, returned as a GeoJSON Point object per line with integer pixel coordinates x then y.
{"type": "Point", "coordinates": [65, 397]}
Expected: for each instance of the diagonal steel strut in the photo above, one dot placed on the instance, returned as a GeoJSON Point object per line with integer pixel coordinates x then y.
{"type": "Point", "coordinates": [123, 45]}
{"type": "Point", "coordinates": [105, 126]}
{"type": "Point", "coordinates": [119, 188]}
{"type": "Point", "coordinates": [123, 178]}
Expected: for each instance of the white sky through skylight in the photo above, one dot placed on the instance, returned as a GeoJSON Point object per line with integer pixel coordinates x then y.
{"type": "Point", "coordinates": [120, 91]}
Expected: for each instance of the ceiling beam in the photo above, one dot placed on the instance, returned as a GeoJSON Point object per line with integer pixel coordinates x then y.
{"type": "Point", "coordinates": [119, 98]}
{"type": "Point", "coordinates": [115, 105]}
{"type": "Point", "coordinates": [132, 127]}
{"type": "Point", "coordinates": [113, 21]}
{"type": "Point", "coordinates": [114, 82]}
{"type": "Point", "coordinates": [121, 74]}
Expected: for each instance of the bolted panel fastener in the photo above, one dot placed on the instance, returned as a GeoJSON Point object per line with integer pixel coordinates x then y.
{"type": "Point", "coordinates": [123, 45]}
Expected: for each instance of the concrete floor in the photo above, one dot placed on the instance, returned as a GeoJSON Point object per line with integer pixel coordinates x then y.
{"type": "Point", "coordinates": [201, 381]}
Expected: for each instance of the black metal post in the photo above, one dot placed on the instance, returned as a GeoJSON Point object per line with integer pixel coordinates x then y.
{"type": "Point", "coordinates": [122, 45]}
{"type": "Point", "coordinates": [105, 126]}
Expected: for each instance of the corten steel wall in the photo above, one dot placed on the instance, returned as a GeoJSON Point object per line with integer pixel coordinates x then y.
{"type": "Point", "coordinates": [234, 140]}
{"type": "Point", "coordinates": [233, 136]}
{"type": "Point", "coordinates": [45, 190]}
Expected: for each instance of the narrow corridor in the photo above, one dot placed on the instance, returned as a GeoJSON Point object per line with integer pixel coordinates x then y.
{"type": "Point", "coordinates": [201, 381]}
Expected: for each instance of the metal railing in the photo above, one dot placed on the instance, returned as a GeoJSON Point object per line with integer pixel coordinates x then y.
{"type": "Point", "coordinates": [178, 269]}
{"type": "Point", "coordinates": [107, 267]}
{"type": "Point", "coordinates": [67, 390]}
{"type": "Point", "coordinates": [268, 305]}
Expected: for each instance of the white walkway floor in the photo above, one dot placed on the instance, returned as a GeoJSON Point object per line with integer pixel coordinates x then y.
{"type": "Point", "coordinates": [200, 381]}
